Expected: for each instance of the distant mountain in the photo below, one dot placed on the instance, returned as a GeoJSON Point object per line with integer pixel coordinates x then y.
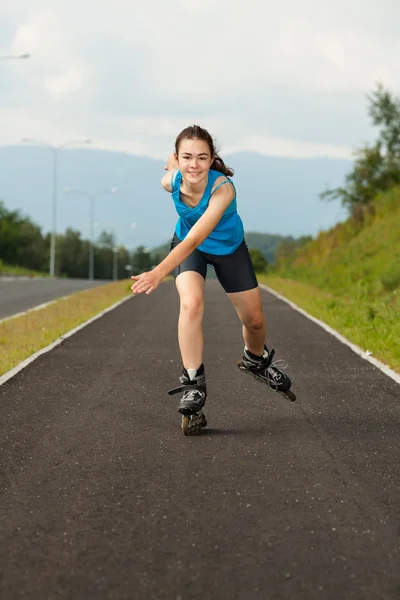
{"type": "Point", "coordinates": [265, 242]}
{"type": "Point", "coordinates": [275, 195]}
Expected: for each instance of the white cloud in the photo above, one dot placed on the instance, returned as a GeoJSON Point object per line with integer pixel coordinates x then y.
{"type": "Point", "coordinates": [62, 83]}
{"type": "Point", "coordinates": [288, 79]}
{"type": "Point", "coordinates": [271, 146]}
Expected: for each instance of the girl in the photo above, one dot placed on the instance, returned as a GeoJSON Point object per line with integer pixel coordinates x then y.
{"type": "Point", "coordinates": [209, 231]}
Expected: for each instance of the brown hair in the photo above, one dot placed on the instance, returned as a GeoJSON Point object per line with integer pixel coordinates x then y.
{"type": "Point", "coordinates": [195, 132]}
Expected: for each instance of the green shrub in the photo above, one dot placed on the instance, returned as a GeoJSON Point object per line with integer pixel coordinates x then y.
{"type": "Point", "coordinates": [391, 277]}
{"type": "Point", "coordinates": [259, 261]}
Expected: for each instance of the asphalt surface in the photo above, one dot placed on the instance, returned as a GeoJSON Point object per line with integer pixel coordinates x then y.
{"type": "Point", "coordinates": [103, 497]}
{"type": "Point", "coordinates": [17, 295]}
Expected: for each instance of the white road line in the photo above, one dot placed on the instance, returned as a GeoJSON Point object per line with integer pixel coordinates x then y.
{"type": "Point", "coordinates": [38, 307]}
{"type": "Point", "coordinates": [27, 361]}
{"type": "Point", "coordinates": [364, 354]}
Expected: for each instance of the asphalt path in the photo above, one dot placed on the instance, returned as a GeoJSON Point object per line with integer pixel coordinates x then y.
{"type": "Point", "coordinates": [103, 497]}
{"type": "Point", "coordinates": [17, 295]}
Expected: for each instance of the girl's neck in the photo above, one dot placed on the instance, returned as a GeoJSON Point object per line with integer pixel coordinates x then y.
{"type": "Point", "coordinates": [195, 188]}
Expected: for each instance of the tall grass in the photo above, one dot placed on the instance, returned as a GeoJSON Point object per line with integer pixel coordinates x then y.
{"type": "Point", "coordinates": [349, 277]}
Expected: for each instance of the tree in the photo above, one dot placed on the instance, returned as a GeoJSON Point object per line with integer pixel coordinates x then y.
{"type": "Point", "coordinates": [21, 241]}
{"type": "Point", "coordinates": [259, 261]}
{"type": "Point", "coordinates": [22, 244]}
{"type": "Point", "coordinates": [384, 110]}
{"type": "Point", "coordinates": [377, 167]}
{"type": "Point", "coordinates": [141, 261]}
{"type": "Point", "coordinates": [106, 239]}
{"type": "Point", "coordinates": [72, 254]}
{"type": "Point", "coordinates": [288, 247]}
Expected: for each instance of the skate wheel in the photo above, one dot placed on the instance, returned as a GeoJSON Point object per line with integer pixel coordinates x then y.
{"type": "Point", "coordinates": [185, 424]}
{"type": "Point", "coordinates": [203, 420]}
{"type": "Point", "coordinates": [289, 395]}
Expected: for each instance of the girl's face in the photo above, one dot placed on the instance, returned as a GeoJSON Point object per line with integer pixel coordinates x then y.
{"type": "Point", "coordinates": [194, 160]}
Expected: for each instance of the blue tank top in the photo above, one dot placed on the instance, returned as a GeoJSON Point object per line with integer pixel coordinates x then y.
{"type": "Point", "coordinates": [227, 235]}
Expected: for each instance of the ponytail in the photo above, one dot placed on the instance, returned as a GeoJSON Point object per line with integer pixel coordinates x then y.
{"type": "Point", "coordinates": [219, 165]}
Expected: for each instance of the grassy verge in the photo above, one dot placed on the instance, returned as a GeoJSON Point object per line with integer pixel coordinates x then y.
{"type": "Point", "coordinates": [372, 324]}
{"type": "Point", "coordinates": [25, 335]}
{"type": "Point", "coordinates": [19, 271]}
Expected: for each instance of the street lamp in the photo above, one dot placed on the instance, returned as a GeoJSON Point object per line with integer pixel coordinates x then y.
{"type": "Point", "coordinates": [118, 231]}
{"type": "Point", "coordinates": [54, 150]}
{"type": "Point", "coordinates": [15, 56]}
{"type": "Point", "coordinates": [115, 263]}
{"type": "Point", "coordinates": [91, 197]}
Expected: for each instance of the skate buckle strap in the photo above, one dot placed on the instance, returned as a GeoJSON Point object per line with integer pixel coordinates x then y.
{"type": "Point", "coordinates": [182, 388]}
{"type": "Point", "coordinates": [269, 359]}
{"type": "Point", "coordinates": [190, 384]}
{"type": "Point", "coordinates": [186, 387]}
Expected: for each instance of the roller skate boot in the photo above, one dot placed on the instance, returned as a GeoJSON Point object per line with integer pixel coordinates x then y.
{"type": "Point", "coordinates": [193, 399]}
{"type": "Point", "coordinates": [263, 369]}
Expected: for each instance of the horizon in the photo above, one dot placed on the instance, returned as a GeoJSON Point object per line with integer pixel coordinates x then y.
{"type": "Point", "coordinates": [296, 85]}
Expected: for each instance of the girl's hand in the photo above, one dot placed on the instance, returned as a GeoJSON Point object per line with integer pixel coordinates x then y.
{"type": "Point", "coordinates": [172, 163]}
{"type": "Point", "coordinates": [146, 282]}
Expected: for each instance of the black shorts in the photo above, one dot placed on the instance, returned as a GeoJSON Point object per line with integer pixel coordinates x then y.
{"type": "Point", "coordinates": [234, 271]}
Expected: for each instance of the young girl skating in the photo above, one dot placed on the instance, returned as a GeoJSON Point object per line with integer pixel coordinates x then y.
{"type": "Point", "coordinates": [209, 231]}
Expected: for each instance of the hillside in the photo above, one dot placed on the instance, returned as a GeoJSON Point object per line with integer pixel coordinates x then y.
{"type": "Point", "coordinates": [265, 242]}
{"type": "Point", "coordinates": [357, 257]}
{"type": "Point", "coordinates": [349, 277]}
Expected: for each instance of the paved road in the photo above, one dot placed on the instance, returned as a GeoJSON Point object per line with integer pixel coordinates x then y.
{"type": "Point", "coordinates": [21, 294]}
{"type": "Point", "coordinates": [103, 497]}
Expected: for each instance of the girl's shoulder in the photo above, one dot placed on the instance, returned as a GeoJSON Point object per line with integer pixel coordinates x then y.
{"type": "Point", "coordinates": [219, 179]}
{"type": "Point", "coordinates": [170, 179]}
{"type": "Point", "coordinates": [217, 174]}
{"type": "Point", "coordinates": [176, 177]}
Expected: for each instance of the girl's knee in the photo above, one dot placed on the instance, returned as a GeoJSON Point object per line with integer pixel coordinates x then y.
{"type": "Point", "coordinates": [255, 321]}
{"type": "Point", "coordinates": [192, 307]}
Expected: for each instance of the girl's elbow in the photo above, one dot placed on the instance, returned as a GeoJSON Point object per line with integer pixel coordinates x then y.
{"type": "Point", "coordinates": [194, 241]}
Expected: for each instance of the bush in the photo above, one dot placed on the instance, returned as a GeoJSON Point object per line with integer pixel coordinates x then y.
{"type": "Point", "coordinates": [259, 261]}
{"type": "Point", "coordinates": [391, 277]}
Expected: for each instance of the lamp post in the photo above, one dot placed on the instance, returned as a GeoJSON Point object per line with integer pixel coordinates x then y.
{"type": "Point", "coordinates": [91, 197]}
{"type": "Point", "coordinates": [15, 56]}
{"type": "Point", "coordinates": [54, 149]}
{"type": "Point", "coordinates": [117, 232]}
{"type": "Point", "coordinates": [115, 263]}
{"type": "Point", "coordinates": [115, 255]}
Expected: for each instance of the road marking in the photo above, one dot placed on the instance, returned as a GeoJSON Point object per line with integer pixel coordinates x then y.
{"type": "Point", "coordinates": [364, 354]}
{"type": "Point", "coordinates": [38, 307]}
{"type": "Point", "coordinates": [9, 374]}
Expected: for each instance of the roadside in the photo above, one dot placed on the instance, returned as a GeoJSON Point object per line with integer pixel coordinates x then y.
{"type": "Point", "coordinates": [23, 336]}
{"type": "Point", "coordinates": [374, 325]}
{"type": "Point", "coordinates": [7, 271]}
{"type": "Point", "coordinates": [22, 294]}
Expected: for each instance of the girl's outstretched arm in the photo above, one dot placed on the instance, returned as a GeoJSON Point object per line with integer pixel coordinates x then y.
{"type": "Point", "coordinates": [219, 202]}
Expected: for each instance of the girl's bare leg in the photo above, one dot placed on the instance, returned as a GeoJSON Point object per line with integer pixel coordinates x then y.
{"type": "Point", "coordinates": [190, 286]}
{"type": "Point", "coordinates": [249, 309]}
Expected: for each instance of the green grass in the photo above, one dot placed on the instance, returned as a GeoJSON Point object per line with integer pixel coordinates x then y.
{"type": "Point", "coordinates": [351, 261]}
{"type": "Point", "coordinates": [373, 325]}
{"type": "Point", "coordinates": [23, 336]}
{"type": "Point", "coordinates": [349, 277]}
{"type": "Point", "coordinates": [19, 271]}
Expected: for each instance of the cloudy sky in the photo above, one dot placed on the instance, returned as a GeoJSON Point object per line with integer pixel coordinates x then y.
{"type": "Point", "coordinates": [285, 78]}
